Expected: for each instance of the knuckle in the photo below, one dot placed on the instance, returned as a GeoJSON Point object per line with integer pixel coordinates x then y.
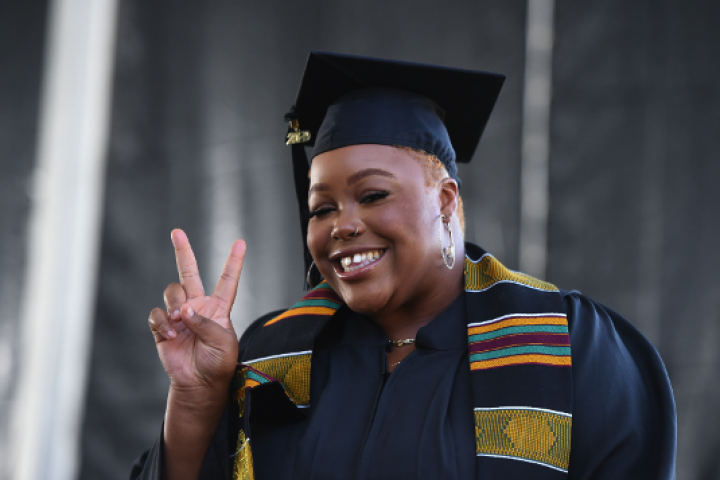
{"type": "Point", "coordinates": [220, 300]}
{"type": "Point", "coordinates": [156, 318]}
{"type": "Point", "coordinates": [201, 322]}
{"type": "Point", "coordinates": [188, 269]}
{"type": "Point", "coordinates": [174, 294]}
{"type": "Point", "coordinates": [227, 276]}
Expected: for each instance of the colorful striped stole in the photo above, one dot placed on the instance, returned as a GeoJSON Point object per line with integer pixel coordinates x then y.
{"type": "Point", "coordinates": [321, 300]}
{"type": "Point", "coordinates": [519, 339]}
{"type": "Point", "coordinates": [291, 369]}
{"type": "Point", "coordinates": [519, 353]}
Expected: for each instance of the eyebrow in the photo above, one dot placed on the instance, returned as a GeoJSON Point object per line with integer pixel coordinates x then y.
{"type": "Point", "coordinates": [353, 179]}
{"type": "Point", "coordinates": [357, 176]}
{"type": "Point", "coordinates": [318, 187]}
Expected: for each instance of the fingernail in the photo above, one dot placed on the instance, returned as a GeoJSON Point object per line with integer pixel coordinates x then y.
{"type": "Point", "coordinates": [190, 312]}
{"type": "Point", "coordinates": [170, 334]}
{"type": "Point", "coordinates": [175, 315]}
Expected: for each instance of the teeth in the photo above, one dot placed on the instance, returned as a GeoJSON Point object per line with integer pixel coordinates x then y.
{"type": "Point", "coordinates": [360, 260]}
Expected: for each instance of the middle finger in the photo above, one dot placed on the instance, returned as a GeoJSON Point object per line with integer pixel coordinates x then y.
{"type": "Point", "coordinates": [227, 284]}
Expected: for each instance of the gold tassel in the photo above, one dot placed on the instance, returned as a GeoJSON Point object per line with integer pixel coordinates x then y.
{"type": "Point", "coordinates": [243, 459]}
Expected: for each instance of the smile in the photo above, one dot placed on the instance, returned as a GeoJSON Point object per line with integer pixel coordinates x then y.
{"type": "Point", "coordinates": [359, 260]}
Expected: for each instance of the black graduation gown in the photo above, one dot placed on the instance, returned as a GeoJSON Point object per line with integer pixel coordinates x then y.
{"type": "Point", "coordinates": [417, 422]}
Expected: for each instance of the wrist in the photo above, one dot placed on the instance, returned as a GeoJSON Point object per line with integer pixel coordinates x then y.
{"type": "Point", "coordinates": [191, 419]}
{"type": "Point", "coordinates": [198, 399]}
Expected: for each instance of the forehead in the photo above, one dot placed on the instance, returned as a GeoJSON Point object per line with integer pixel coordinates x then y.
{"type": "Point", "coordinates": [380, 160]}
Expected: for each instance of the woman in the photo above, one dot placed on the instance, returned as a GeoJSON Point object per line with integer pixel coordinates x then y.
{"type": "Point", "coordinates": [417, 356]}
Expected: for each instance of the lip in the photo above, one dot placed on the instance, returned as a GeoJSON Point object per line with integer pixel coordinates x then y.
{"type": "Point", "coordinates": [335, 258]}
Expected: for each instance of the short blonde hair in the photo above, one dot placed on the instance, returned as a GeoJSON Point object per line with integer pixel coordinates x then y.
{"type": "Point", "coordinates": [435, 172]}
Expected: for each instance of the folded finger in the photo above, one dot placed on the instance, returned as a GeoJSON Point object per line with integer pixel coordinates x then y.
{"type": "Point", "coordinates": [175, 297]}
{"type": "Point", "coordinates": [159, 323]}
{"type": "Point", "coordinates": [208, 331]}
{"type": "Point", "coordinates": [187, 265]}
{"type": "Point", "coordinates": [227, 284]}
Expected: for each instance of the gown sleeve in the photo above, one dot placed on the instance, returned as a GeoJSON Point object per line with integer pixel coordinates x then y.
{"type": "Point", "coordinates": [624, 421]}
{"type": "Point", "coordinates": [217, 463]}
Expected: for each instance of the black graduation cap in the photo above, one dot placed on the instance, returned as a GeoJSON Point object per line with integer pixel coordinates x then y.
{"type": "Point", "coordinates": [348, 100]}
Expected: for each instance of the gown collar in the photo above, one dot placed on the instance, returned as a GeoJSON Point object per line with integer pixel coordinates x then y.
{"type": "Point", "coordinates": [447, 331]}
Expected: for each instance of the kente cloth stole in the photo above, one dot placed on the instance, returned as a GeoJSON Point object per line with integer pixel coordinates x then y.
{"type": "Point", "coordinates": [520, 369]}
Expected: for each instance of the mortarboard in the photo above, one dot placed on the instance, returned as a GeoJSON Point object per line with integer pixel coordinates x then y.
{"type": "Point", "coordinates": [349, 100]}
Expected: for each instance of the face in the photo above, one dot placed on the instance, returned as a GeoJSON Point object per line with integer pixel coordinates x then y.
{"type": "Point", "coordinates": [374, 227]}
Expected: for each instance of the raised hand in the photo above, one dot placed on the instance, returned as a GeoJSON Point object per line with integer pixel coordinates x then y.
{"type": "Point", "coordinates": [198, 348]}
{"type": "Point", "coordinates": [195, 339]}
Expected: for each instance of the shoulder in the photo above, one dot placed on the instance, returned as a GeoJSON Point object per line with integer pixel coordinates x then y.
{"type": "Point", "coordinates": [623, 408]}
{"type": "Point", "coordinates": [292, 330]}
{"type": "Point", "coordinates": [599, 334]}
{"type": "Point", "coordinates": [254, 327]}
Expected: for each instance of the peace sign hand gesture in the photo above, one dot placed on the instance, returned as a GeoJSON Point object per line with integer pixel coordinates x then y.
{"type": "Point", "coordinates": [198, 347]}
{"type": "Point", "coordinates": [195, 339]}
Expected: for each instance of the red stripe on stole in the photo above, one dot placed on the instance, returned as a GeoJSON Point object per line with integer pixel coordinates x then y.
{"type": "Point", "coordinates": [261, 374]}
{"type": "Point", "coordinates": [551, 339]}
{"type": "Point", "coordinates": [322, 294]}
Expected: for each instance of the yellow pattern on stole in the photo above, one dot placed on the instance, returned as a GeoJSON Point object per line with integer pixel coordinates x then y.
{"type": "Point", "coordinates": [489, 271]}
{"type": "Point", "coordinates": [292, 371]}
{"type": "Point", "coordinates": [539, 436]}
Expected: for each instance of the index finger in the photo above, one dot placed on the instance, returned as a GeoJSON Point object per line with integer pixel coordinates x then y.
{"type": "Point", "coordinates": [186, 264]}
{"type": "Point", "coordinates": [227, 284]}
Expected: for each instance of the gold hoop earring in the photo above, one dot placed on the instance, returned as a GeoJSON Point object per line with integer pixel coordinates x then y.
{"type": "Point", "coordinates": [449, 252]}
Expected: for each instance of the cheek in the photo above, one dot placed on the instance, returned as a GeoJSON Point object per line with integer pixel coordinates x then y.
{"type": "Point", "coordinates": [421, 212]}
{"type": "Point", "coordinates": [409, 224]}
{"type": "Point", "coordinates": [317, 237]}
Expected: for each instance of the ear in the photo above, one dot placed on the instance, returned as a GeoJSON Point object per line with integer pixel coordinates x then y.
{"type": "Point", "coordinates": [448, 196]}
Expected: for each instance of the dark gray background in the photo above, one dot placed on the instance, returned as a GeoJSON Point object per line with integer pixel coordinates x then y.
{"type": "Point", "coordinates": [200, 89]}
{"type": "Point", "coordinates": [22, 37]}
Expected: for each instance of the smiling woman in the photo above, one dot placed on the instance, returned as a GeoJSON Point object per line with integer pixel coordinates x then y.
{"type": "Point", "coordinates": [376, 199]}
{"type": "Point", "coordinates": [415, 354]}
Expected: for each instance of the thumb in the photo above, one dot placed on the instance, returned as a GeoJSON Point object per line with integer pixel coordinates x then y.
{"type": "Point", "coordinates": [207, 331]}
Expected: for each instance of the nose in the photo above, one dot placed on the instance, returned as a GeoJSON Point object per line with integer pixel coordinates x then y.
{"type": "Point", "coordinates": [345, 230]}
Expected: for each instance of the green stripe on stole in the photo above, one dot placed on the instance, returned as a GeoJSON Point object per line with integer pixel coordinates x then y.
{"type": "Point", "coordinates": [515, 330]}
{"type": "Point", "coordinates": [523, 426]}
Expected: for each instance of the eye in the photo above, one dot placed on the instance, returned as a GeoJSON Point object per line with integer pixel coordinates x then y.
{"type": "Point", "coordinates": [319, 212]}
{"type": "Point", "coordinates": [373, 196]}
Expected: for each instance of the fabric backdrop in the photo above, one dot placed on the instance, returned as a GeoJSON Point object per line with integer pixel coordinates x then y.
{"type": "Point", "coordinates": [196, 142]}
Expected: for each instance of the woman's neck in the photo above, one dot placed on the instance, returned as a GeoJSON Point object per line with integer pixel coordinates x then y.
{"type": "Point", "coordinates": [406, 321]}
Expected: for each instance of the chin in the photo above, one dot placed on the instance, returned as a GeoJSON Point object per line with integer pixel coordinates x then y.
{"type": "Point", "coordinates": [364, 308]}
{"type": "Point", "coordinates": [366, 301]}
